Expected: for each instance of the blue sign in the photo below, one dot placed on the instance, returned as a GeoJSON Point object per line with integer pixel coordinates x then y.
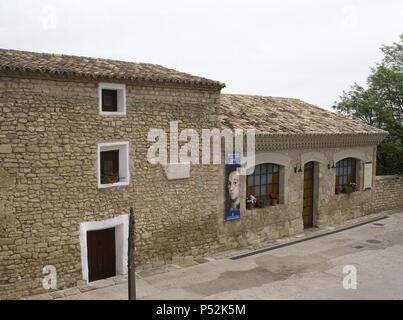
{"type": "Point", "coordinates": [233, 159]}
{"type": "Point", "coordinates": [232, 215]}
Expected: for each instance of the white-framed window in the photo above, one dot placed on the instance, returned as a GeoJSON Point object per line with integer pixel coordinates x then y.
{"type": "Point", "coordinates": [112, 99]}
{"type": "Point", "coordinates": [113, 164]}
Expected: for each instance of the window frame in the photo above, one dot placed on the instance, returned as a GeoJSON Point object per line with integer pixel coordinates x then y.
{"type": "Point", "coordinates": [265, 185]}
{"type": "Point", "coordinates": [350, 177]}
{"type": "Point", "coordinates": [121, 98]}
{"type": "Point", "coordinates": [124, 170]}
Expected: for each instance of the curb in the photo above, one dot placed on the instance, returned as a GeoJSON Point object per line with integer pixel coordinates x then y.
{"type": "Point", "coordinates": [307, 238]}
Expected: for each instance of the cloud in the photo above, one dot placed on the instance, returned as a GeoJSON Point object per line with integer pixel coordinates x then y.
{"type": "Point", "coordinates": [349, 20]}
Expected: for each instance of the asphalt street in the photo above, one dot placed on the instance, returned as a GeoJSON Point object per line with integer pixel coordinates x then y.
{"type": "Point", "coordinates": [311, 269]}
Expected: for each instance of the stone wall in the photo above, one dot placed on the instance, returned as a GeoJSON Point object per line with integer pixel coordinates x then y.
{"type": "Point", "coordinates": [388, 193]}
{"type": "Point", "coordinates": [48, 159]}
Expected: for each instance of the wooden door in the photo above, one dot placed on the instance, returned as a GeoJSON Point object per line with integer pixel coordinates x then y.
{"type": "Point", "coordinates": [307, 213]}
{"type": "Point", "coordinates": [101, 254]}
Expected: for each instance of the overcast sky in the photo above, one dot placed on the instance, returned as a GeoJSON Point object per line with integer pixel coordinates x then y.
{"type": "Point", "coordinates": [312, 50]}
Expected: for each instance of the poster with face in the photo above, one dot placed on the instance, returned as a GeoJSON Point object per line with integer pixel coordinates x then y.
{"type": "Point", "coordinates": [233, 190]}
{"type": "Point", "coordinates": [233, 196]}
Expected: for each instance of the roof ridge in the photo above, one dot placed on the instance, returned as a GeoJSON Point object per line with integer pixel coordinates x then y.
{"type": "Point", "coordinates": [256, 95]}
{"type": "Point", "coordinates": [12, 60]}
{"type": "Point", "coordinates": [80, 56]}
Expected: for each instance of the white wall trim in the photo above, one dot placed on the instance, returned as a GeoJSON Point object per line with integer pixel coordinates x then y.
{"type": "Point", "coordinates": [350, 153]}
{"type": "Point", "coordinates": [121, 90]}
{"type": "Point", "coordinates": [124, 157]}
{"type": "Point", "coordinates": [313, 156]}
{"type": "Point", "coordinates": [269, 157]}
{"type": "Point", "coordinates": [121, 225]}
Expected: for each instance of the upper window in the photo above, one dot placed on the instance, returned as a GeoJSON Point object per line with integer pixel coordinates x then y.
{"type": "Point", "coordinates": [112, 99]}
{"type": "Point", "coordinates": [263, 184]}
{"type": "Point", "coordinates": [346, 175]}
{"type": "Point", "coordinates": [109, 100]}
{"type": "Point", "coordinates": [113, 164]}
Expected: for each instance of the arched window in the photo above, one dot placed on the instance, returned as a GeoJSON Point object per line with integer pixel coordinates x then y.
{"type": "Point", "coordinates": [263, 182]}
{"type": "Point", "coordinates": [346, 176]}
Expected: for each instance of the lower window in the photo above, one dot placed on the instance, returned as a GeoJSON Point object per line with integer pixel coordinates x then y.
{"type": "Point", "coordinates": [346, 176]}
{"type": "Point", "coordinates": [110, 167]}
{"type": "Point", "coordinates": [263, 184]}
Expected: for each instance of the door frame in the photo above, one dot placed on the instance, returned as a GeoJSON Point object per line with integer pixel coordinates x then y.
{"type": "Point", "coordinates": [121, 225]}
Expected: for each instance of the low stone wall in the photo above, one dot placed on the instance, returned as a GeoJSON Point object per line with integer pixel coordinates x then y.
{"type": "Point", "coordinates": [261, 225]}
{"type": "Point", "coordinates": [388, 193]}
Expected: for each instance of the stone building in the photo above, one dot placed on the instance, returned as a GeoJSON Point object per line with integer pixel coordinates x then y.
{"type": "Point", "coordinates": [74, 139]}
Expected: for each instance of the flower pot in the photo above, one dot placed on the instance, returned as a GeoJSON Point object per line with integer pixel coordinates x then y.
{"type": "Point", "coordinates": [110, 179]}
{"type": "Point", "coordinates": [274, 202]}
{"type": "Point", "coordinates": [348, 189]}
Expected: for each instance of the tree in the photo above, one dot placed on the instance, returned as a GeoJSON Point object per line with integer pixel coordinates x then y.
{"type": "Point", "coordinates": [380, 103]}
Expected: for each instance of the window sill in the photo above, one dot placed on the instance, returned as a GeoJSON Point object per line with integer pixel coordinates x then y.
{"type": "Point", "coordinates": [337, 194]}
{"type": "Point", "coordinates": [280, 205]}
{"type": "Point", "coordinates": [112, 113]}
{"type": "Point", "coordinates": [111, 185]}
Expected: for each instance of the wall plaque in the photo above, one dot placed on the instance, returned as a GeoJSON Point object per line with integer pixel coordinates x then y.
{"type": "Point", "coordinates": [368, 176]}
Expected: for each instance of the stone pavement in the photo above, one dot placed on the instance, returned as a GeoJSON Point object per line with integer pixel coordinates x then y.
{"type": "Point", "coordinates": [312, 269]}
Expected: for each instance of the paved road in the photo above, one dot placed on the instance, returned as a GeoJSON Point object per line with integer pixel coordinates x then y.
{"type": "Point", "coordinates": [309, 270]}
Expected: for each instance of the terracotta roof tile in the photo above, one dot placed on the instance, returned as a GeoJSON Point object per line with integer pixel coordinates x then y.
{"type": "Point", "coordinates": [75, 66]}
{"type": "Point", "coordinates": [285, 116]}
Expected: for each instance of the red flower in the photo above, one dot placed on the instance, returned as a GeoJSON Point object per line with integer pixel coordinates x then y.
{"type": "Point", "coordinates": [339, 188]}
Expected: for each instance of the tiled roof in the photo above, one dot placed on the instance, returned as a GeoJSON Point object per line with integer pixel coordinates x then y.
{"type": "Point", "coordinates": [285, 116]}
{"type": "Point", "coordinates": [75, 66]}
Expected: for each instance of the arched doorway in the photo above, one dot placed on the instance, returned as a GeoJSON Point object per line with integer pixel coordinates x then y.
{"type": "Point", "coordinates": [308, 197]}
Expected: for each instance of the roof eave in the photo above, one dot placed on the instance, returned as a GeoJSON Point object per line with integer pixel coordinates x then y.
{"type": "Point", "coordinates": [65, 75]}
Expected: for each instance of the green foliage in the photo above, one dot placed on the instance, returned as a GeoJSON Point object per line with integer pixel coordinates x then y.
{"type": "Point", "coordinates": [380, 104]}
